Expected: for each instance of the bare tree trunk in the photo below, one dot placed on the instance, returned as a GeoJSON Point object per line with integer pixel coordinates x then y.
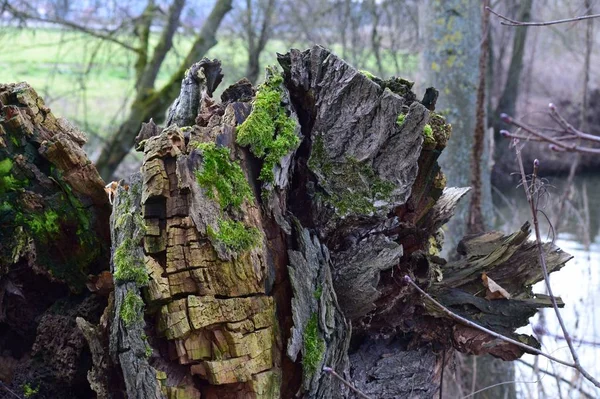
{"type": "Point", "coordinates": [583, 123]}
{"type": "Point", "coordinates": [375, 36]}
{"type": "Point", "coordinates": [508, 99]}
{"type": "Point", "coordinates": [256, 45]}
{"type": "Point", "coordinates": [475, 223]}
{"type": "Point", "coordinates": [153, 104]}
{"type": "Point", "coordinates": [456, 58]}
{"type": "Point", "coordinates": [262, 233]}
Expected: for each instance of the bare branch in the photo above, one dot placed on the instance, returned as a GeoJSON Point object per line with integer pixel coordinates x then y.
{"type": "Point", "coordinates": [346, 383]}
{"type": "Point", "coordinates": [109, 37]}
{"type": "Point", "coordinates": [511, 22]}
{"type": "Point", "coordinates": [163, 46]}
{"type": "Point", "coordinates": [542, 260]}
{"type": "Point", "coordinates": [562, 379]}
{"type": "Point", "coordinates": [558, 143]}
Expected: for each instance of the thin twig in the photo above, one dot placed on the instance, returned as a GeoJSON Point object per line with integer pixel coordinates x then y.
{"type": "Point", "coordinates": [346, 383]}
{"type": "Point", "coordinates": [584, 393]}
{"type": "Point", "coordinates": [542, 260]}
{"type": "Point", "coordinates": [462, 320]}
{"type": "Point", "coordinates": [496, 385]}
{"type": "Point", "coordinates": [511, 22]}
{"type": "Point", "coordinates": [81, 28]}
{"type": "Point", "coordinates": [558, 144]}
{"type": "Point", "coordinates": [3, 385]}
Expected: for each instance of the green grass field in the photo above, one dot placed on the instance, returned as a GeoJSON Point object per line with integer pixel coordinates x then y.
{"type": "Point", "coordinates": [89, 81]}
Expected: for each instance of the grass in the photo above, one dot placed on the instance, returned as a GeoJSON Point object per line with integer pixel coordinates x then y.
{"type": "Point", "coordinates": [90, 82]}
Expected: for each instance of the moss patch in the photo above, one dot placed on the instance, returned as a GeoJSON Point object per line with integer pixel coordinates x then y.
{"type": "Point", "coordinates": [352, 187]}
{"type": "Point", "coordinates": [223, 178]}
{"type": "Point", "coordinates": [7, 181]}
{"type": "Point", "coordinates": [132, 309]}
{"type": "Point", "coordinates": [368, 74]}
{"type": "Point", "coordinates": [235, 236]}
{"type": "Point", "coordinates": [429, 140]}
{"type": "Point", "coordinates": [268, 130]}
{"type": "Point", "coordinates": [29, 391]}
{"type": "Point", "coordinates": [318, 292]}
{"type": "Point", "coordinates": [45, 224]}
{"type": "Point", "coordinates": [440, 130]}
{"type": "Point", "coordinates": [400, 119]}
{"type": "Point", "coordinates": [314, 347]}
{"type": "Point", "coordinates": [127, 266]}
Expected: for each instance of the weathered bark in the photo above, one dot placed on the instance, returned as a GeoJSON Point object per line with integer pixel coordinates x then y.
{"type": "Point", "coordinates": [244, 264]}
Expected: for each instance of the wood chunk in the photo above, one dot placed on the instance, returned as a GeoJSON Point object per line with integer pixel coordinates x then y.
{"type": "Point", "coordinates": [158, 287]}
{"type": "Point", "coordinates": [173, 321]}
{"type": "Point", "coordinates": [205, 311]}
{"type": "Point", "coordinates": [152, 227]}
{"type": "Point", "coordinates": [182, 283]}
{"type": "Point", "coordinates": [155, 244]}
{"type": "Point", "coordinates": [156, 183]}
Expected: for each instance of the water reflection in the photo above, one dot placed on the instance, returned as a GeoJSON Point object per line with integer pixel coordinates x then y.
{"type": "Point", "coordinates": [578, 283]}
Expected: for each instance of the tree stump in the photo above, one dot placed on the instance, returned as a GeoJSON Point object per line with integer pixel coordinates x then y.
{"type": "Point", "coordinates": [267, 236]}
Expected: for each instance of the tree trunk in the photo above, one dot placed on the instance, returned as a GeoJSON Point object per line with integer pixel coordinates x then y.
{"type": "Point", "coordinates": [508, 100]}
{"type": "Point", "coordinates": [266, 231]}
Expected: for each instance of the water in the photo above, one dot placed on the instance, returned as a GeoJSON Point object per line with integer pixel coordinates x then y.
{"type": "Point", "coordinates": [578, 283]}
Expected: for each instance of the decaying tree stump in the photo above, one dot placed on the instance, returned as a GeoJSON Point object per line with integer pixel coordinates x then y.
{"type": "Point", "coordinates": [265, 237]}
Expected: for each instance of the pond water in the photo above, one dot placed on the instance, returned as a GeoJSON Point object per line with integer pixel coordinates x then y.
{"type": "Point", "coordinates": [578, 284]}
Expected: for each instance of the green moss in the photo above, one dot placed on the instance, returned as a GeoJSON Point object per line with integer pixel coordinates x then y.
{"type": "Point", "coordinates": [268, 130]}
{"type": "Point", "coordinates": [45, 224]}
{"type": "Point", "coordinates": [221, 177]}
{"type": "Point", "coordinates": [439, 181]}
{"type": "Point", "coordinates": [7, 181]}
{"type": "Point", "coordinates": [427, 131]}
{"type": "Point", "coordinates": [314, 347]}
{"type": "Point", "coordinates": [429, 140]}
{"type": "Point", "coordinates": [147, 347]}
{"type": "Point", "coordinates": [399, 86]}
{"type": "Point", "coordinates": [400, 119]}
{"type": "Point", "coordinates": [441, 130]}
{"type": "Point", "coordinates": [29, 391]}
{"type": "Point", "coordinates": [5, 166]}
{"type": "Point", "coordinates": [235, 235]}
{"type": "Point", "coordinates": [368, 74]}
{"type": "Point", "coordinates": [127, 266]}
{"type": "Point", "coordinates": [318, 292]}
{"type": "Point", "coordinates": [352, 187]}
{"type": "Point", "coordinates": [132, 308]}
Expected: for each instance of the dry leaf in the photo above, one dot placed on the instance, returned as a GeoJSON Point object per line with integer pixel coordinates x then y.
{"type": "Point", "coordinates": [102, 284]}
{"type": "Point", "coordinates": [494, 290]}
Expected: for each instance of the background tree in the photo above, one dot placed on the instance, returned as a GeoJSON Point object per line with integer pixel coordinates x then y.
{"type": "Point", "coordinates": [149, 101]}
{"type": "Point", "coordinates": [452, 59]}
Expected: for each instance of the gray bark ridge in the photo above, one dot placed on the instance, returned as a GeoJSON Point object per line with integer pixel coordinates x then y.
{"type": "Point", "coordinates": [352, 124]}
{"type": "Point", "coordinates": [127, 343]}
{"type": "Point", "coordinates": [315, 297]}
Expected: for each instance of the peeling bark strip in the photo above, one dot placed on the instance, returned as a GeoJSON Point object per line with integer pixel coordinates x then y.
{"type": "Point", "coordinates": [262, 234]}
